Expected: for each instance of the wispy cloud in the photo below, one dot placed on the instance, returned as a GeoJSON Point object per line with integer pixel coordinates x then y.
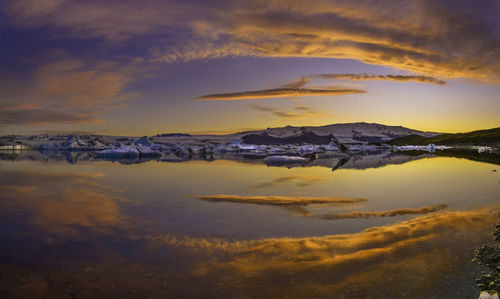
{"type": "Point", "coordinates": [403, 78]}
{"type": "Point", "coordinates": [299, 83]}
{"type": "Point", "coordinates": [66, 91]}
{"type": "Point", "coordinates": [46, 116]}
{"type": "Point", "coordinates": [443, 37]}
{"type": "Point", "coordinates": [280, 200]}
{"type": "Point", "coordinates": [278, 93]}
{"type": "Point", "coordinates": [299, 111]}
{"type": "Point", "coordinates": [296, 88]}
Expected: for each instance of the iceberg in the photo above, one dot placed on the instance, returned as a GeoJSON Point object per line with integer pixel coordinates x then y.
{"type": "Point", "coordinates": [49, 146]}
{"type": "Point", "coordinates": [248, 147]}
{"type": "Point", "coordinates": [143, 141]}
{"type": "Point", "coordinates": [129, 151]}
{"type": "Point", "coordinates": [125, 151]}
{"type": "Point", "coordinates": [429, 148]}
{"type": "Point", "coordinates": [220, 148]}
{"type": "Point", "coordinates": [483, 149]}
{"type": "Point", "coordinates": [146, 151]}
{"type": "Point", "coordinates": [74, 142]}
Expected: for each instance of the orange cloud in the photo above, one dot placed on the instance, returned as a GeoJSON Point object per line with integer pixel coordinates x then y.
{"type": "Point", "coordinates": [46, 116]}
{"type": "Point", "coordinates": [431, 37]}
{"type": "Point", "coordinates": [301, 111]}
{"type": "Point", "coordinates": [280, 200]}
{"type": "Point", "coordinates": [278, 93]}
{"type": "Point", "coordinates": [66, 91]}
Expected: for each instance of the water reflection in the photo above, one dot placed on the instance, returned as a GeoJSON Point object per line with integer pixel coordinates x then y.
{"type": "Point", "coordinates": [329, 160]}
{"type": "Point", "coordinates": [98, 229]}
{"type": "Point", "coordinates": [409, 258]}
{"type": "Point", "coordinates": [61, 203]}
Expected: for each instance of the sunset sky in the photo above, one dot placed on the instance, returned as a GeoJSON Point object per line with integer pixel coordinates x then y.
{"type": "Point", "coordinates": [122, 67]}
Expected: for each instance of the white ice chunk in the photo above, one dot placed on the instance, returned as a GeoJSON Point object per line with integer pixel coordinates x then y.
{"type": "Point", "coordinates": [483, 149]}
{"type": "Point", "coordinates": [125, 151]}
{"type": "Point", "coordinates": [430, 147]}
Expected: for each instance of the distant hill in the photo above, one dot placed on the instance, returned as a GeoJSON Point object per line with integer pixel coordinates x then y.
{"type": "Point", "coordinates": [174, 135]}
{"type": "Point", "coordinates": [305, 137]}
{"type": "Point", "coordinates": [359, 132]}
{"type": "Point", "coordinates": [489, 137]}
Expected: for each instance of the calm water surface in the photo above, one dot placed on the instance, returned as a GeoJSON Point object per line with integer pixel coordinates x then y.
{"type": "Point", "coordinates": [97, 229]}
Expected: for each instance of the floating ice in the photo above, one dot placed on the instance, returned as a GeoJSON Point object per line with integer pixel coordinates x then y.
{"type": "Point", "coordinates": [49, 146]}
{"type": "Point", "coordinates": [429, 148]}
{"type": "Point", "coordinates": [125, 151]}
{"type": "Point", "coordinates": [483, 149]}
{"type": "Point", "coordinates": [143, 141]}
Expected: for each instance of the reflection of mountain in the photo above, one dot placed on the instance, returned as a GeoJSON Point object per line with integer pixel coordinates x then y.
{"type": "Point", "coordinates": [366, 160]}
{"type": "Point", "coordinates": [487, 157]}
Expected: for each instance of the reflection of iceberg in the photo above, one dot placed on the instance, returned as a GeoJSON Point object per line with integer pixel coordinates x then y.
{"type": "Point", "coordinates": [284, 160]}
{"type": "Point", "coordinates": [177, 153]}
{"type": "Point", "coordinates": [15, 147]}
{"type": "Point", "coordinates": [124, 151]}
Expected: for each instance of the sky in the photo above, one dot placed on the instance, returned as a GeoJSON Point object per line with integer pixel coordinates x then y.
{"type": "Point", "coordinates": [122, 67]}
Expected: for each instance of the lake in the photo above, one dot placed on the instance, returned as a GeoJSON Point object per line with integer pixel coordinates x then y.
{"type": "Point", "coordinates": [384, 225]}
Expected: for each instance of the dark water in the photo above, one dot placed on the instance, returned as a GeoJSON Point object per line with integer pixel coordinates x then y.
{"type": "Point", "coordinates": [406, 227]}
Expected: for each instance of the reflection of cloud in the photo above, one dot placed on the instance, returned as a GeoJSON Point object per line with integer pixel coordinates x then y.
{"type": "Point", "coordinates": [351, 264]}
{"type": "Point", "coordinates": [419, 79]}
{"type": "Point", "coordinates": [61, 203]}
{"type": "Point", "coordinates": [279, 200]}
{"type": "Point", "coordinates": [376, 238]}
{"type": "Point", "coordinates": [389, 213]}
{"type": "Point", "coordinates": [300, 181]}
{"type": "Point", "coordinates": [36, 178]}
{"type": "Point", "coordinates": [300, 111]}
{"type": "Point", "coordinates": [278, 93]}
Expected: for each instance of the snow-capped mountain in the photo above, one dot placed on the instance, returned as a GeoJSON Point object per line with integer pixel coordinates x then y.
{"type": "Point", "coordinates": [349, 132]}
